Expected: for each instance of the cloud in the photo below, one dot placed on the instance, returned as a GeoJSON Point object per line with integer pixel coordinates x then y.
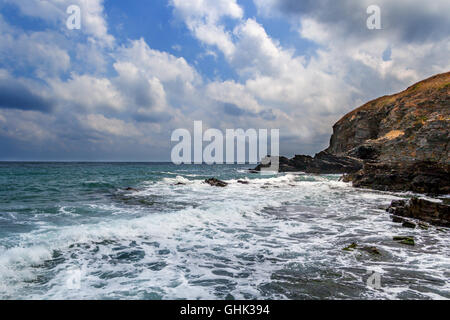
{"type": "Point", "coordinates": [16, 94]}
{"type": "Point", "coordinates": [406, 21]}
{"type": "Point", "coordinates": [38, 50]}
{"type": "Point", "coordinates": [87, 92]}
{"type": "Point", "coordinates": [93, 22]}
{"type": "Point", "coordinates": [109, 126]}
{"type": "Point", "coordinates": [107, 98]}
{"type": "Point", "coordinates": [203, 19]}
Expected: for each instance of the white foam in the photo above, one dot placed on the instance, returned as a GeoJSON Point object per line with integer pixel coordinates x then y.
{"type": "Point", "coordinates": [220, 232]}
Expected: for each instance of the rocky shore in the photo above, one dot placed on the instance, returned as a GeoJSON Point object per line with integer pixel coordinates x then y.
{"type": "Point", "coordinates": [394, 143]}
{"type": "Point", "coordinates": [428, 211]}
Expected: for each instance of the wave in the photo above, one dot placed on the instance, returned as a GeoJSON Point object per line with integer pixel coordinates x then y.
{"type": "Point", "coordinates": [244, 240]}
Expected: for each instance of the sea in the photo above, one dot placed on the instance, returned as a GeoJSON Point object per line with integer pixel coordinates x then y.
{"type": "Point", "coordinates": [156, 231]}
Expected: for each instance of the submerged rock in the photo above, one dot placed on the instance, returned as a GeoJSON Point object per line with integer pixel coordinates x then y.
{"type": "Point", "coordinates": [423, 226]}
{"type": "Point", "coordinates": [405, 240]}
{"type": "Point", "coordinates": [216, 182]}
{"type": "Point", "coordinates": [372, 250]}
{"type": "Point", "coordinates": [397, 219]}
{"type": "Point", "coordinates": [428, 211]}
{"type": "Point", "coordinates": [408, 224]}
{"type": "Point", "coordinates": [351, 247]}
{"type": "Point", "coordinates": [368, 249]}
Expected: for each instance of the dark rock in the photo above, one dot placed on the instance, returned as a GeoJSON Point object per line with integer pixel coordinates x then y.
{"type": "Point", "coordinates": [422, 177]}
{"type": "Point", "coordinates": [131, 189]}
{"type": "Point", "coordinates": [372, 250]}
{"type": "Point", "coordinates": [216, 182]}
{"type": "Point", "coordinates": [405, 240]}
{"type": "Point", "coordinates": [365, 152]}
{"type": "Point", "coordinates": [409, 242]}
{"type": "Point", "coordinates": [397, 219]}
{"type": "Point", "coordinates": [243, 182]}
{"type": "Point", "coordinates": [409, 224]}
{"type": "Point", "coordinates": [322, 163]}
{"type": "Point", "coordinates": [430, 212]}
{"type": "Point", "coordinates": [423, 226]}
{"type": "Point", "coordinates": [351, 247]}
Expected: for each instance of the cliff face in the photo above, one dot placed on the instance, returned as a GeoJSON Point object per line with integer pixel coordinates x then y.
{"type": "Point", "coordinates": [398, 142]}
{"type": "Point", "coordinates": [406, 127]}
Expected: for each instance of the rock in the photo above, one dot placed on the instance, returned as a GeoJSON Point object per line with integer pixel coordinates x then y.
{"type": "Point", "coordinates": [354, 245]}
{"type": "Point", "coordinates": [409, 126]}
{"type": "Point", "coordinates": [365, 152]}
{"type": "Point", "coordinates": [409, 224]}
{"type": "Point", "coordinates": [130, 189]}
{"type": "Point", "coordinates": [423, 226]}
{"type": "Point", "coordinates": [216, 182]}
{"type": "Point", "coordinates": [372, 250]}
{"type": "Point", "coordinates": [431, 212]}
{"type": "Point", "coordinates": [243, 182]}
{"type": "Point", "coordinates": [405, 240]}
{"type": "Point", "coordinates": [397, 219]}
{"type": "Point", "coordinates": [323, 163]}
{"type": "Point", "coordinates": [351, 247]}
{"type": "Point", "coordinates": [409, 242]}
{"type": "Point", "coordinates": [421, 177]}
{"type": "Point", "coordinates": [401, 238]}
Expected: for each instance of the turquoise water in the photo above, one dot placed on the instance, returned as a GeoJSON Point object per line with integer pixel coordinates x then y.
{"type": "Point", "coordinates": [173, 237]}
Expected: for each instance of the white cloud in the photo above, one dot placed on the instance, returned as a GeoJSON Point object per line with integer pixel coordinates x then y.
{"type": "Point", "coordinates": [203, 18]}
{"type": "Point", "coordinates": [235, 94]}
{"type": "Point", "coordinates": [87, 93]}
{"type": "Point", "coordinates": [109, 126]}
{"type": "Point", "coordinates": [162, 65]}
{"type": "Point", "coordinates": [93, 22]}
{"type": "Point", "coordinates": [37, 49]}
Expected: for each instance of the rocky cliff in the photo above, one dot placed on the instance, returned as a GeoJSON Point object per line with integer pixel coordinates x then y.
{"type": "Point", "coordinates": [406, 127]}
{"type": "Point", "coordinates": [398, 142]}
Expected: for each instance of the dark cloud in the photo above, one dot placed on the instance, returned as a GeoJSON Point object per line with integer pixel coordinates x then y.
{"type": "Point", "coordinates": [153, 117]}
{"type": "Point", "coordinates": [268, 115]}
{"type": "Point", "coordinates": [412, 21]}
{"type": "Point", "coordinates": [15, 95]}
{"type": "Point", "coordinates": [233, 110]}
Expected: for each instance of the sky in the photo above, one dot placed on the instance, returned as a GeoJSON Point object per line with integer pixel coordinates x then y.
{"type": "Point", "coordinates": [135, 71]}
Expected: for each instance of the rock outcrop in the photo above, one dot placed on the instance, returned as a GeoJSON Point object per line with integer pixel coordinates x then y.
{"type": "Point", "coordinates": [398, 142]}
{"type": "Point", "coordinates": [406, 127]}
{"type": "Point", "coordinates": [216, 182]}
{"type": "Point", "coordinates": [421, 177]}
{"type": "Point", "coordinates": [322, 162]}
{"type": "Point", "coordinates": [428, 211]}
